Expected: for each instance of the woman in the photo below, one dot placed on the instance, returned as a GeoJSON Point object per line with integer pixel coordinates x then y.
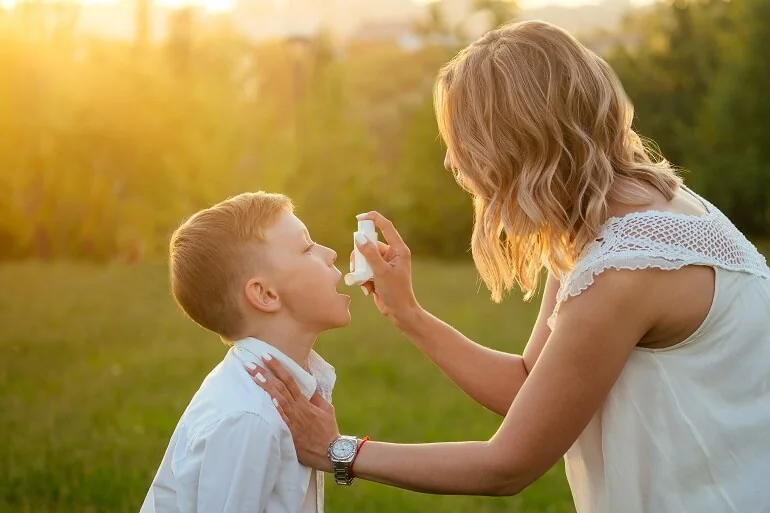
{"type": "Point", "coordinates": [647, 368]}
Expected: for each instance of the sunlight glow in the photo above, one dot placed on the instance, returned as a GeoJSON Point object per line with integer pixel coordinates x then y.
{"type": "Point", "coordinates": [535, 4]}
{"type": "Point", "coordinates": [216, 6]}
{"type": "Point", "coordinates": [212, 6]}
{"type": "Point", "coordinates": [207, 5]}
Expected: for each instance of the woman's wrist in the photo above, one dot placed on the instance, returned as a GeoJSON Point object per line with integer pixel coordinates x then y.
{"type": "Point", "coordinates": [408, 320]}
{"type": "Point", "coordinates": [322, 454]}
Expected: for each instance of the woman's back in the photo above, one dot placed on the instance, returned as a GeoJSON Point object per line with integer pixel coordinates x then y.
{"type": "Point", "coordinates": [687, 427]}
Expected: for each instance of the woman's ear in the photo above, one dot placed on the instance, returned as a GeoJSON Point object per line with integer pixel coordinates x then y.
{"type": "Point", "coordinates": [261, 296]}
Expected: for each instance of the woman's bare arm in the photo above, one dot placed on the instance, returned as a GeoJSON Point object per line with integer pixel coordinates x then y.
{"type": "Point", "coordinates": [489, 377]}
{"type": "Point", "coordinates": [594, 336]}
{"type": "Point", "coordinates": [592, 340]}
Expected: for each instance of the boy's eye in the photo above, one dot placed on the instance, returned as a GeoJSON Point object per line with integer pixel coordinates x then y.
{"type": "Point", "coordinates": [310, 246]}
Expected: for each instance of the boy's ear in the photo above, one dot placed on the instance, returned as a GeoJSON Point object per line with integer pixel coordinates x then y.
{"type": "Point", "coordinates": [261, 296]}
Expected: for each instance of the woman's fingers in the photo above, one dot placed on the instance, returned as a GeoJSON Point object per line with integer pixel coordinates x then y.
{"type": "Point", "coordinates": [368, 288]}
{"type": "Point", "coordinates": [381, 246]}
{"type": "Point", "coordinates": [273, 386]}
{"type": "Point", "coordinates": [266, 380]}
{"type": "Point", "coordinates": [281, 412]}
{"type": "Point", "coordinates": [389, 231]}
{"type": "Point", "coordinates": [252, 368]}
{"type": "Point", "coordinates": [283, 376]}
{"type": "Point", "coordinates": [371, 253]}
{"type": "Point", "coordinates": [318, 400]}
{"type": "Point", "coordinates": [279, 395]}
{"type": "Point", "coordinates": [312, 423]}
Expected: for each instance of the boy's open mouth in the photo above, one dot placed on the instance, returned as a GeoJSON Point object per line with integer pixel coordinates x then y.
{"type": "Point", "coordinates": [340, 286]}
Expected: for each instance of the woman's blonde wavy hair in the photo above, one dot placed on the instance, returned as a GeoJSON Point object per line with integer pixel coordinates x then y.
{"type": "Point", "coordinates": [538, 131]}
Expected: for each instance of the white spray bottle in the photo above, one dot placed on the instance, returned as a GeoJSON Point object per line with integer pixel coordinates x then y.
{"type": "Point", "coordinates": [362, 272]}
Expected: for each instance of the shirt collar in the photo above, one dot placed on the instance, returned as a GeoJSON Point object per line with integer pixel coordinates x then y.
{"type": "Point", "coordinates": [323, 377]}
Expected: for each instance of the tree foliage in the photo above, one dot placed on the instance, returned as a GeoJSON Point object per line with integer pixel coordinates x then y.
{"type": "Point", "coordinates": [106, 146]}
{"type": "Point", "coordinates": [696, 71]}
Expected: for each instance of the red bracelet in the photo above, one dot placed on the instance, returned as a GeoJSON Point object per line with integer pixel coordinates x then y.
{"type": "Point", "coordinates": [358, 449]}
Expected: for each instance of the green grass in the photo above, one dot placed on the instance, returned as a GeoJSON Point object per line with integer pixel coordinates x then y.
{"type": "Point", "coordinates": [97, 364]}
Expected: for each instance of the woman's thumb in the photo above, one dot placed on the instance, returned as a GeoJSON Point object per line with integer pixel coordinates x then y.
{"type": "Point", "coordinates": [371, 253]}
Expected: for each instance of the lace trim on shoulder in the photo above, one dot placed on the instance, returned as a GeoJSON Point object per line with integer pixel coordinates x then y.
{"type": "Point", "coordinates": [629, 264]}
{"type": "Point", "coordinates": [663, 240]}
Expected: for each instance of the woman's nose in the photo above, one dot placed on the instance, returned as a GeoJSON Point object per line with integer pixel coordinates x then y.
{"type": "Point", "coordinates": [447, 162]}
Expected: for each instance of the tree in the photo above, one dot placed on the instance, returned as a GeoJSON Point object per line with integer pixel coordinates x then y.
{"type": "Point", "coordinates": [667, 67]}
{"type": "Point", "coordinates": [733, 156]}
{"type": "Point", "coordinates": [438, 212]}
{"type": "Point", "coordinates": [336, 172]}
{"type": "Point", "coordinates": [697, 73]}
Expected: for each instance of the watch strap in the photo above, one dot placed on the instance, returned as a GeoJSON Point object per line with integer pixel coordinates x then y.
{"type": "Point", "coordinates": [342, 474]}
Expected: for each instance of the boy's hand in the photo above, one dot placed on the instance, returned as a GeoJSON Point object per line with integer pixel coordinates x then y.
{"type": "Point", "coordinates": [312, 422]}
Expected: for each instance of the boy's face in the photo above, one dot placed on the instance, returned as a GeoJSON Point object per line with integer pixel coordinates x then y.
{"type": "Point", "coordinates": [304, 275]}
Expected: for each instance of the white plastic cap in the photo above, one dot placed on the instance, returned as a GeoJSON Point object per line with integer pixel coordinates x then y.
{"type": "Point", "coordinates": [366, 226]}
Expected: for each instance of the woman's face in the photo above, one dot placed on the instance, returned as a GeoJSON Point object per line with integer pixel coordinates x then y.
{"type": "Point", "coordinates": [461, 180]}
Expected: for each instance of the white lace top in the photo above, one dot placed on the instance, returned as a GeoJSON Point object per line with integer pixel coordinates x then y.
{"type": "Point", "coordinates": [685, 429]}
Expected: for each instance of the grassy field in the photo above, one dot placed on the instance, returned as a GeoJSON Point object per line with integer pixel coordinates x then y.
{"type": "Point", "coordinates": [97, 364]}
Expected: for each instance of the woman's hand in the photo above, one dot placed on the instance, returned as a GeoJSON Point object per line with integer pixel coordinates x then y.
{"type": "Point", "coordinates": [312, 422]}
{"type": "Point", "coordinates": [391, 265]}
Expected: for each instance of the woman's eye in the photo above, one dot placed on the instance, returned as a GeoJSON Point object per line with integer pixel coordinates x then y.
{"type": "Point", "coordinates": [307, 249]}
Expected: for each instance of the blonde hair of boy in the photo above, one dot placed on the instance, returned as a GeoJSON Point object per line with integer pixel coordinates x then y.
{"type": "Point", "coordinates": [538, 131]}
{"type": "Point", "coordinates": [213, 252]}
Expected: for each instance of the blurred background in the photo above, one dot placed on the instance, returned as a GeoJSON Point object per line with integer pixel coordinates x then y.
{"type": "Point", "coordinates": [119, 118]}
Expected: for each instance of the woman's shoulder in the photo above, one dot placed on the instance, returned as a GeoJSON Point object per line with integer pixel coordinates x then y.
{"type": "Point", "coordinates": [664, 240]}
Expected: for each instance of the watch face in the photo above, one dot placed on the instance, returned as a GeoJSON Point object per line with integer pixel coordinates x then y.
{"type": "Point", "coordinates": [343, 448]}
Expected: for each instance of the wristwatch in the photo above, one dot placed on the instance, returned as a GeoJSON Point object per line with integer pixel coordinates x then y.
{"type": "Point", "coordinates": [342, 452]}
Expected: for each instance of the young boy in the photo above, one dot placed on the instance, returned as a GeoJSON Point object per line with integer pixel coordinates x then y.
{"type": "Point", "coordinates": [248, 270]}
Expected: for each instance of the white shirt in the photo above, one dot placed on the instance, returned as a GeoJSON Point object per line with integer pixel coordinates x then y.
{"type": "Point", "coordinates": [231, 451]}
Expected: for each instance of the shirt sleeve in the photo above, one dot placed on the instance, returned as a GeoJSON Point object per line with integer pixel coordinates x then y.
{"type": "Point", "coordinates": [239, 460]}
